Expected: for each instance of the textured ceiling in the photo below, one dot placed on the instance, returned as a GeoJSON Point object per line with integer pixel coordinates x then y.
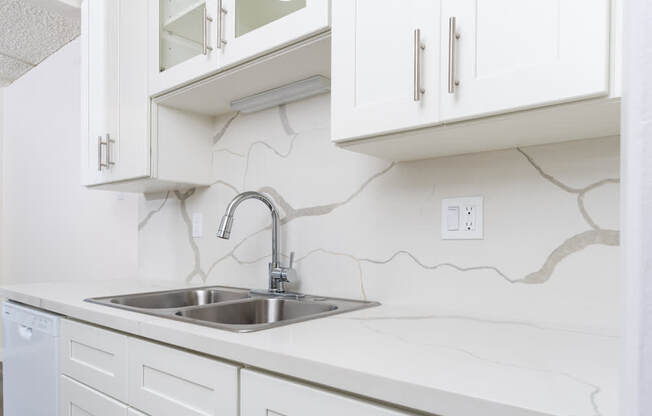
{"type": "Point", "coordinates": [30, 31]}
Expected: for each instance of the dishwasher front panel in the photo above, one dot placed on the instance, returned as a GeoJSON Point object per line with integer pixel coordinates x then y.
{"type": "Point", "coordinates": [31, 361]}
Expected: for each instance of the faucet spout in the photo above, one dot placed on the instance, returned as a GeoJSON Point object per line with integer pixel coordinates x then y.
{"type": "Point", "coordinates": [277, 273]}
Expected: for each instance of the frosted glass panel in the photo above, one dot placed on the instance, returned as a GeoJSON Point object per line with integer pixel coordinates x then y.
{"type": "Point", "coordinates": [180, 31]}
{"type": "Point", "coordinates": [252, 14]}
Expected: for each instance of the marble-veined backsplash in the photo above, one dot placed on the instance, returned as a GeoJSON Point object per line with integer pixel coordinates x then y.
{"type": "Point", "coordinates": [362, 227]}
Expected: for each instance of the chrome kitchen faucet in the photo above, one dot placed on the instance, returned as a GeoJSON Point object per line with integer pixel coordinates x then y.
{"type": "Point", "coordinates": [278, 275]}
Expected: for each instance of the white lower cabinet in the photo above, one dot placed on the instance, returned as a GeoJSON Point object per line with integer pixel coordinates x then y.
{"type": "Point", "coordinates": [165, 381]}
{"type": "Point", "coordinates": [265, 395]}
{"type": "Point", "coordinates": [80, 400]}
{"type": "Point", "coordinates": [95, 357]}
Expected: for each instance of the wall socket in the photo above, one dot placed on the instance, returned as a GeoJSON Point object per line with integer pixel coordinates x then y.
{"type": "Point", "coordinates": [461, 218]}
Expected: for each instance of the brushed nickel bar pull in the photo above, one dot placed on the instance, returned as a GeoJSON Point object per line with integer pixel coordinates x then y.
{"type": "Point", "coordinates": [418, 47]}
{"type": "Point", "coordinates": [99, 153]}
{"type": "Point", "coordinates": [207, 18]}
{"type": "Point", "coordinates": [220, 24]}
{"type": "Point", "coordinates": [100, 144]}
{"type": "Point", "coordinates": [108, 150]}
{"type": "Point", "coordinates": [452, 37]}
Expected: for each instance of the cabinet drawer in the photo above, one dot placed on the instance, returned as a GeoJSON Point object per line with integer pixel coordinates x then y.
{"type": "Point", "coordinates": [95, 357]}
{"type": "Point", "coordinates": [265, 395]}
{"type": "Point", "coordinates": [165, 381]}
{"type": "Point", "coordinates": [78, 400]}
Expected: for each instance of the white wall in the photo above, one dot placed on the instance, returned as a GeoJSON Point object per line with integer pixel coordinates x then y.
{"type": "Point", "coordinates": [53, 228]}
{"type": "Point", "coordinates": [636, 383]}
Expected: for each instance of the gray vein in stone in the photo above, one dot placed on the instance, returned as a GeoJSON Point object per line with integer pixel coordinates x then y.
{"type": "Point", "coordinates": [226, 184]}
{"type": "Point", "coordinates": [152, 212]}
{"type": "Point", "coordinates": [270, 147]}
{"type": "Point", "coordinates": [283, 114]}
{"type": "Point", "coordinates": [572, 245]}
{"type": "Point", "coordinates": [231, 152]}
{"type": "Point", "coordinates": [479, 320]}
{"type": "Point", "coordinates": [196, 271]}
{"type": "Point", "coordinates": [436, 266]}
{"type": "Point", "coordinates": [595, 390]}
{"type": "Point", "coordinates": [218, 136]}
{"type": "Point", "coordinates": [580, 192]}
{"type": "Point", "coordinates": [292, 213]}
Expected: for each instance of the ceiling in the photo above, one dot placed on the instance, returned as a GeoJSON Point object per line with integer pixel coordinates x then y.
{"type": "Point", "coordinates": [31, 30]}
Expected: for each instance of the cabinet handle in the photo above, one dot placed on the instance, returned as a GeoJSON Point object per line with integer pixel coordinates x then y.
{"type": "Point", "coordinates": [108, 150]}
{"type": "Point", "coordinates": [418, 47]}
{"type": "Point", "coordinates": [452, 37]}
{"type": "Point", "coordinates": [207, 18]}
{"type": "Point", "coordinates": [100, 165]}
{"type": "Point", "coordinates": [220, 11]}
{"type": "Point", "coordinates": [100, 144]}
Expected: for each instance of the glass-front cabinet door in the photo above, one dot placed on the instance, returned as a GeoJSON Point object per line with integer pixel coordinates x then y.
{"type": "Point", "coordinates": [253, 27]}
{"type": "Point", "coordinates": [182, 37]}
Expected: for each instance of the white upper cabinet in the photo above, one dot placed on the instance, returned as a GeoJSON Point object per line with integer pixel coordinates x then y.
{"type": "Point", "coordinates": [495, 74]}
{"type": "Point", "coordinates": [115, 105]}
{"type": "Point", "coordinates": [182, 35]}
{"type": "Point", "coordinates": [514, 54]}
{"type": "Point", "coordinates": [385, 66]}
{"type": "Point", "coordinates": [191, 39]}
{"type": "Point", "coordinates": [126, 146]}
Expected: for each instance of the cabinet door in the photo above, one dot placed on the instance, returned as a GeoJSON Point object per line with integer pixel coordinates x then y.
{"type": "Point", "coordinates": [182, 36]}
{"type": "Point", "coordinates": [95, 356]}
{"type": "Point", "coordinates": [514, 54]}
{"type": "Point", "coordinates": [100, 24]}
{"type": "Point", "coordinates": [79, 400]}
{"type": "Point", "coordinates": [164, 381]}
{"type": "Point", "coordinates": [115, 101]}
{"type": "Point", "coordinates": [265, 395]}
{"type": "Point", "coordinates": [130, 151]}
{"type": "Point", "coordinates": [375, 70]}
{"type": "Point", "coordinates": [253, 27]}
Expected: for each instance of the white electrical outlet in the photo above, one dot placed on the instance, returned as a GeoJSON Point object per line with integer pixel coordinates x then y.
{"type": "Point", "coordinates": [468, 218]}
{"type": "Point", "coordinates": [197, 224]}
{"type": "Point", "coordinates": [461, 218]}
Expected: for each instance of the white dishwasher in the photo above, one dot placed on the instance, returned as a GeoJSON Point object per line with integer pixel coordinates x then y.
{"type": "Point", "coordinates": [30, 339]}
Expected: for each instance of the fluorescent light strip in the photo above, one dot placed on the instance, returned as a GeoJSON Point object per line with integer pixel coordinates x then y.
{"type": "Point", "coordinates": [291, 92]}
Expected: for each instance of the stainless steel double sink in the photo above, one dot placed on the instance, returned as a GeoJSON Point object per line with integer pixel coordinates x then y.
{"type": "Point", "coordinates": [232, 309]}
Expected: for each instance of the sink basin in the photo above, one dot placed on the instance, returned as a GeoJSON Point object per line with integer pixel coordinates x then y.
{"type": "Point", "coordinates": [179, 298]}
{"type": "Point", "coordinates": [257, 311]}
{"type": "Point", "coordinates": [232, 309]}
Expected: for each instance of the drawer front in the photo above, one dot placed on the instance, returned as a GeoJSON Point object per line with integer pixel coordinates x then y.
{"type": "Point", "coordinates": [80, 400]}
{"type": "Point", "coordinates": [165, 381]}
{"type": "Point", "coordinates": [95, 357]}
{"type": "Point", "coordinates": [265, 395]}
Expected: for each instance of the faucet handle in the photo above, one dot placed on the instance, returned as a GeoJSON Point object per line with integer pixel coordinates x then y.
{"type": "Point", "coordinates": [291, 259]}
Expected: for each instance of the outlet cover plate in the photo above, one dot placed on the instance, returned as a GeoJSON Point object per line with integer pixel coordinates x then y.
{"type": "Point", "coordinates": [462, 218]}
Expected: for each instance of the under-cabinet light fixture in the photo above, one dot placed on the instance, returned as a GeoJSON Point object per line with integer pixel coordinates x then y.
{"type": "Point", "coordinates": [287, 93]}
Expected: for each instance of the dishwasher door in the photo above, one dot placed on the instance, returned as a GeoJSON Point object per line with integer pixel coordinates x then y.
{"type": "Point", "coordinates": [31, 361]}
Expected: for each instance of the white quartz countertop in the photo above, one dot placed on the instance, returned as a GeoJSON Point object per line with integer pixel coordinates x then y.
{"type": "Point", "coordinates": [442, 364]}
